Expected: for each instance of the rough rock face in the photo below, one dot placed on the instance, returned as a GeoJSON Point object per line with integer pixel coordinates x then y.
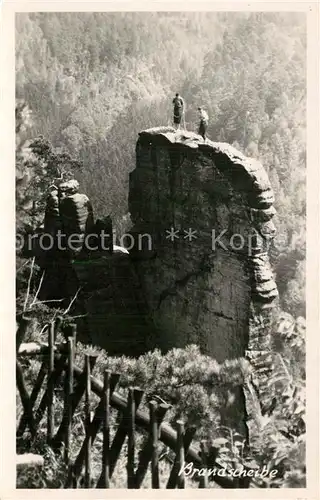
{"type": "Point", "coordinates": [198, 270]}
{"type": "Point", "coordinates": [201, 287]}
{"type": "Point", "coordinates": [115, 316]}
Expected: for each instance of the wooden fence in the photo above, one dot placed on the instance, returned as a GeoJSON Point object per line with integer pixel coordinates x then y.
{"type": "Point", "coordinates": [58, 364]}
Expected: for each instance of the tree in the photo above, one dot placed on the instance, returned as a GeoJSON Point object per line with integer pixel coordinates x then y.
{"type": "Point", "coordinates": [38, 166]}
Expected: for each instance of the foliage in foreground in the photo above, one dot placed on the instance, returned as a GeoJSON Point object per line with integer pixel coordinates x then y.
{"type": "Point", "coordinates": [198, 388]}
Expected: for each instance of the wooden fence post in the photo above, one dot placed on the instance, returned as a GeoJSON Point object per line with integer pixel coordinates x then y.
{"type": "Point", "coordinates": [59, 368]}
{"type": "Point", "coordinates": [25, 399]}
{"type": "Point", "coordinates": [88, 415]}
{"type": "Point", "coordinates": [50, 425]}
{"type": "Point", "coordinates": [244, 481]}
{"type": "Point", "coordinates": [33, 397]}
{"type": "Point", "coordinates": [174, 475]}
{"type": "Point", "coordinates": [146, 452]}
{"type": "Point", "coordinates": [122, 432]}
{"type": "Point", "coordinates": [180, 453]}
{"type": "Point", "coordinates": [131, 437]}
{"type": "Point", "coordinates": [76, 469]}
{"type": "Point", "coordinates": [67, 401]}
{"type": "Point", "coordinates": [78, 392]}
{"type": "Point", "coordinates": [154, 439]}
{"type": "Point", "coordinates": [203, 483]}
{"type": "Point", "coordinates": [106, 431]}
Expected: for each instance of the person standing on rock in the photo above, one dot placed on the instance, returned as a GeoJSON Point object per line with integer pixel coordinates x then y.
{"type": "Point", "coordinates": [178, 110]}
{"type": "Point", "coordinates": [203, 122]}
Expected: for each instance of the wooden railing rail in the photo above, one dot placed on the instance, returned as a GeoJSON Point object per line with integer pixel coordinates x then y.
{"type": "Point", "coordinates": [58, 361]}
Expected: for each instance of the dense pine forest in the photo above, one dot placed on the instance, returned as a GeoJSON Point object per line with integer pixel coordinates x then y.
{"type": "Point", "coordinates": [93, 81]}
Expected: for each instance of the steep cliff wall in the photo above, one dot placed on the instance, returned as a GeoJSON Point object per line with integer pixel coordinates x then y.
{"type": "Point", "coordinates": [113, 305]}
{"type": "Point", "coordinates": [201, 287]}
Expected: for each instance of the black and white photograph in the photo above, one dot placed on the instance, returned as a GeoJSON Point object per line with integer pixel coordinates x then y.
{"type": "Point", "coordinates": [160, 231]}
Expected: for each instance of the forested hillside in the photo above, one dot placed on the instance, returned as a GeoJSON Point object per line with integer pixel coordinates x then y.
{"type": "Point", "coordinates": [93, 81]}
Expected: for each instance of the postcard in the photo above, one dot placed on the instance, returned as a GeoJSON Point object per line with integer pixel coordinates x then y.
{"type": "Point", "coordinates": [161, 186]}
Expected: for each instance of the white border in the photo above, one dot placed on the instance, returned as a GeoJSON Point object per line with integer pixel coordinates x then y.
{"type": "Point", "coordinates": [7, 302]}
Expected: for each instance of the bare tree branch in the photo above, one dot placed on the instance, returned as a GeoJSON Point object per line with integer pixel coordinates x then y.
{"type": "Point", "coordinates": [29, 285]}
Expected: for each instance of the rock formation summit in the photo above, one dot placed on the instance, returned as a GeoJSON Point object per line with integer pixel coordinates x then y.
{"type": "Point", "coordinates": [202, 225]}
